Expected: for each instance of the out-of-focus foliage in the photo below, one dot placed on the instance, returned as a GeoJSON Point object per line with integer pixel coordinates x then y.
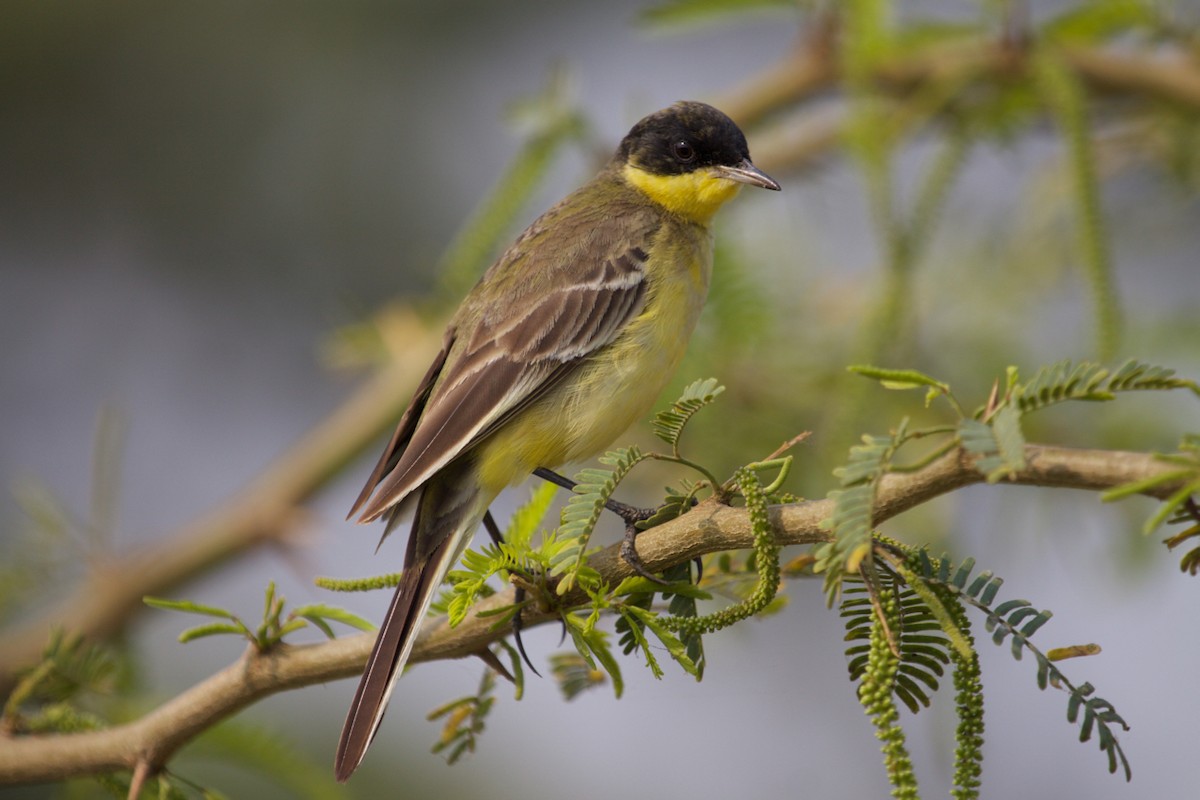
{"type": "Point", "coordinates": [988, 151]}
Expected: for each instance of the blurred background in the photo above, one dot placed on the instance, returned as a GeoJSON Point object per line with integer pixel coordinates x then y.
{"type": "Point", "coordinates": [213, 215]}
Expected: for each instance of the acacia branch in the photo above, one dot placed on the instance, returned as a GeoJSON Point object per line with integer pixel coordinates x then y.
{"type": "Point", "coordinates": [265, 512]}
{"type": "Point", "coordinates": [813, 68]}
{"type": "Point", "coordinates": [708, 528]}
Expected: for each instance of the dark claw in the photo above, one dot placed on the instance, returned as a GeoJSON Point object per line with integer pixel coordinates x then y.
{"type": "Point", "coordinates": [519, 598]}
{"type": "Point", "coordinates": [632, 515]}
{"type": "Point", "coordinates": [489, 524]}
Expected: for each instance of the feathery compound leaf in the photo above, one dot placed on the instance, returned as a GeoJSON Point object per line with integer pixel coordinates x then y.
{"type": "Point", "coordinates": [853, 508]}
{"type": "Point", "coordinates": [1020, 620]}
{"type": "Point", "coordinates": [232, 624]}
{"type": "Point", "coordinates": [999, 448]}
{"type": "Point", "coordinates": [593, 488]}
{"type": "Point", "coordinates": [526, 519]}
{"type": "Point", "coordinates": [1190, 563]}
{"type": "Point", "coordinates": [471, 582]}
{"type": "Point", "coordinates": [688, 648]}
{"type": "Point", "coordinates": [1088, 381]}
{"type": "Point", "coordinates": [1006, 427]}
{"type": "Point", "coordinates": [668, 425]}
{"type": "Point", "coordinates": [70, 666]}
{"type": "Point", "coordinates": [677, 503]}
{"type": "Point", "coordinates": [1060, 382]}
{"type": "Point", "coordinates": [592, 644]}
{"type": "Point", "coordinates": [574, 674]}
{"type": "Point", "coordinates": [930, 631]}
{"type": "Point", "coordinates": [464, 720]}
{"type": "Point", "coordinates": [638, 621]}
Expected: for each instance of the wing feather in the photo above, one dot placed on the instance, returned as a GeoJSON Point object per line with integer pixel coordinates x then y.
{"type": "Point", "coordinates": [513, 356]}
{"type": "Point", "coordinates": [407, 425]}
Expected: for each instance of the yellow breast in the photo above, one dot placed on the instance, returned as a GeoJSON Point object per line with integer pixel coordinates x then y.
{"type": "Point", "coordinates": [618, 385]}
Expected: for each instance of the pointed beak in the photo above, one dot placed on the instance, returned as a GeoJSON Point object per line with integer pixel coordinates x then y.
{"type": "Point", "coordinates": [747, 173]}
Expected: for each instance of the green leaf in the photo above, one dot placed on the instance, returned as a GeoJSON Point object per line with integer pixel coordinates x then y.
{"type": "Point", "coordinates": [529, 516]}
{"type": "Point", "coordinates": [1169, 506]}
{"type": "Point", "coordinates": [1072, 651]}
{"type": "Point", "coordinates": [637, 640]}
{"type": "Point", "coordinates": [898, 378]}
{"type": "Point", "coordinates": [1094, 714]}
{"type": "Point", "coordinates": [319, 612]}
{"type": "Point", "coordinates": [187, 606]}
{"type": "Point", "coordinates": [574, 674]}
{"type": "Point", "coordinates": [592, 644]}
{"type": "Point", "coordinates": [998, 448]}
{"type": "Point", "coordinates": [464, 719]}
{"type": "Point", "coordinates": [668, 425]}
{"type": "Point", "coordinates": [673, 644]}
{"type": "Point", "coordinates": [945, 621]}
{"type": "Point", "coordinates": [593, 488]}
{"type": "Point", "coordinates": [636, 584]}
{"type": "Point", "coordinates": [213, 629]}
{"type": "Point", "coordinates": [1144, 485]}
{"type": "Point", "coordinates": [853, 508]}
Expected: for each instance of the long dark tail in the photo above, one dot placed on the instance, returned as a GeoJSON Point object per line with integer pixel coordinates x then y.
{"type": "Point", "coordinates": [445, 519]}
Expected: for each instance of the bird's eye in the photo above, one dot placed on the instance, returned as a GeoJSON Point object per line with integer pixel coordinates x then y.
{"type": "Point", "coordinates": [683, 151]}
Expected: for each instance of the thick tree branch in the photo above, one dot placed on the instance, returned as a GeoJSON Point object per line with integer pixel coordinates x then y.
{"type": "Point", "coordinates": [708, 528]}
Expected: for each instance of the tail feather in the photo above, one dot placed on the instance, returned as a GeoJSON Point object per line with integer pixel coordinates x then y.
{"type": "Point", "coordinates": [441, 531]}
{"type": "Point", "coordinates": [391, 651]}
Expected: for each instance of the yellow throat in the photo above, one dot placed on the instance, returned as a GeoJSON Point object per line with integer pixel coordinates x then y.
{"type": "Point", "coordinates": [695, 195]}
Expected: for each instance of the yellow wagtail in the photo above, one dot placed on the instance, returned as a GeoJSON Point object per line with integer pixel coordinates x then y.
{"type": "Point", "coordinates": [566, 341]}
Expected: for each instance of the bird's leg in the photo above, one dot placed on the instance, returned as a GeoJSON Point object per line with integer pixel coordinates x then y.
{"type": "Point", "coordinates": [489, 524]}
{"type": "Point", "coordinates": [632, 515]}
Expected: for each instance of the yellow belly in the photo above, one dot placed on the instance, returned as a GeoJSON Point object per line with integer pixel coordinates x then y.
{"type": "Point", "coordinates": [617, 386]}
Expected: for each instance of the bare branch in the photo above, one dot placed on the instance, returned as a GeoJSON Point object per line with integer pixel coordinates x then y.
{"type": "Point", "coordinates": [265, 512]}
{"type": "Point", "coordinates": [708, 528]}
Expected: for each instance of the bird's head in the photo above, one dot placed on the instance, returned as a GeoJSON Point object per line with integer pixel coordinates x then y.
{"type": "Point", "coordinates": [689, 158]}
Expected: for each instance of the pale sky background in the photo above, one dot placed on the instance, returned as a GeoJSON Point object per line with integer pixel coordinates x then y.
{"type": "Point", "coordinates": [197, 195]}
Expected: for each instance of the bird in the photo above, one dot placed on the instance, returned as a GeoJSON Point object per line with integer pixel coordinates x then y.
{"type": "Point", "coordinates": [565, 341]}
